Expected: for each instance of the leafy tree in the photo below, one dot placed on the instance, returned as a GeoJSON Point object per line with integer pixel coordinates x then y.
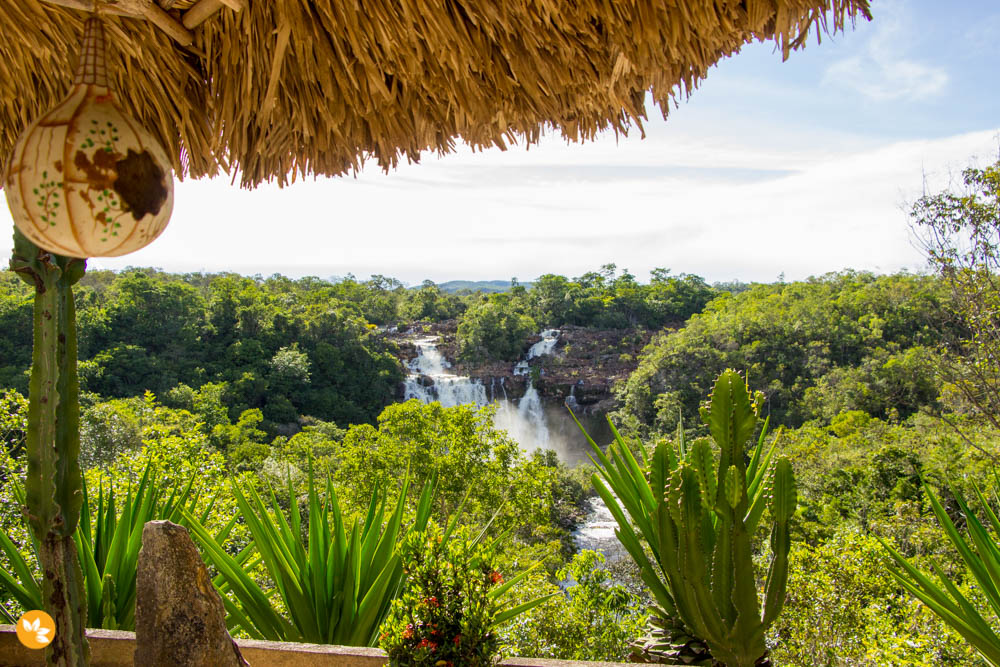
{"type": "Point", "coordinates": [592, 618]}
{"type": "Point", "coordinates": [884, 385]}
{"type": "Point", "coordinates": [495, 328]}
{"type": "Point", "coordinates": [244, 442]}
{"type": "Point", "coordinates": [609, 300]}
{"type": "Point", "coordinates": [15, 322]}
{"type": "Point", "coordinates": [675, 299]}
{"type": "Point", "coordinates": [206, 402]}
{"type": "Point", "coordinates": [106, 430]}
{"type": "Point", "coordinates": [163, 316]}
{"type": "Point", "coordinates": [125, 370]}
{"type": "Point", "coordinates": [864, 474]}
{"type": "Point", "coordinates": [554, 300]}
{"type": "Point", "coordinates": [13, 421]}
{"type": "Point", "coordinates": [960, 232]}
{"type": "Point", "coordinates": [466, 452]}
{"type": "Point", "coordinates": [844, 608]}
{"type": "Point", "coordinates": [789, 336]}
{"type": "Point", "coordinates": [289, 369]}
{"type": "Point", "coordinates": [428, 303]}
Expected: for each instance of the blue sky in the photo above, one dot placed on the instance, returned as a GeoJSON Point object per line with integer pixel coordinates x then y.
{"type": "Point", "coordinates": [800, 168]}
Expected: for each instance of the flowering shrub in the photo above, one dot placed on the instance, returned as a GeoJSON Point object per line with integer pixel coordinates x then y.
{"type": "Point", "coordinates": [449, 609]}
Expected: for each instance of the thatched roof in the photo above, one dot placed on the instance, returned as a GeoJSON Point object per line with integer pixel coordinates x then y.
{"type": "Point", "coordinates": [289, 87]}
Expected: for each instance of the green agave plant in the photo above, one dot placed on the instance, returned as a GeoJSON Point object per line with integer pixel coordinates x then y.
{"type": "Point", "coordinates": [697, 512]}
{"type": "Point", "coordinates": [108, 542]}
{"type": "Point", "coordinates": [337, 588]}
{"type": "Point", "coordinates": [982, 558]}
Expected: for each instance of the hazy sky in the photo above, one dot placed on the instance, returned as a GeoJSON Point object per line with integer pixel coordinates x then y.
{"type": "Point", "coordinates": [799, 168]}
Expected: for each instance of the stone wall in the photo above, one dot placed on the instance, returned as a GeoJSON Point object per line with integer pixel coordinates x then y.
{"type": "Point", "coordinates": [111, 648]}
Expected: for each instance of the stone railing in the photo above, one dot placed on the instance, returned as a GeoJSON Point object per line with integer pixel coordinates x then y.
{"type": "Point", "coordinates": [112, 648]}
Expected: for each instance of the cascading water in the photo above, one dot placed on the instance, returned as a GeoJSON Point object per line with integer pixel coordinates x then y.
{"type": "Point", "coordinates": [597, 532]}
{"type": "Point", "coordinates": [571, 401]}
{"type": "Point", "coordinates": [440, 384]}
{"type": "Point", "coordinates": [528, 424]}
{"type": "Point", "coordinates": [431, 380]}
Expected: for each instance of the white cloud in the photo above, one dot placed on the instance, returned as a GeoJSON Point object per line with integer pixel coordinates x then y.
{"type": "Point", "coordinates": [802, 213]}
{"type": "Point", "coordinates": [884, 70]}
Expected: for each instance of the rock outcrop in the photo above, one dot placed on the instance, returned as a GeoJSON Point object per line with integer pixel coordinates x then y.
{"type": "Point", "coordinates": [179, 617]}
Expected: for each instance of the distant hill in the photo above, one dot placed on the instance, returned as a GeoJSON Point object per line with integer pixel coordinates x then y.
{"type": "Point", "coordinates": [453, 286]}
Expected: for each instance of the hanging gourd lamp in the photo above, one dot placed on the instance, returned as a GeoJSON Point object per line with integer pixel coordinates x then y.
{"type": "Point", "coordinates": [85, 179]}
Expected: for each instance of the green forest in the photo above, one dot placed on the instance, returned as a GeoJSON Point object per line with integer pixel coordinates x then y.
{"type": "Point", "coordinates": [229, 402]}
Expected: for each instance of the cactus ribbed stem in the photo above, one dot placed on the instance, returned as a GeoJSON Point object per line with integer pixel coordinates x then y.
{"type": "Point", "coordinates": [701, 525]}
{"type": "Point", "coordinates": [53, 484]}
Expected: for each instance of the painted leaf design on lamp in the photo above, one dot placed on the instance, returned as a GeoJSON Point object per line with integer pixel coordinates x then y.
{"type": "Point", "coordinates": [85, 179]}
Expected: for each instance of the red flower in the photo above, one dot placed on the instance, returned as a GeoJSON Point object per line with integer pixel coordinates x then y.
{"type": "Point", "coordinates": [408, 632]}
{"type": "Point", "coordinates": [457, 640]}
{"type": "Point", "coordinates": [427, 643]}
{"type": "Point", "coordinates": [496, 577]}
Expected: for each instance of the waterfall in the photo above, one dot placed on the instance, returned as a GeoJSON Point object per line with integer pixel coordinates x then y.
{"type": "Point", "coordinates": [545, 346]}
{"type": "Point", "coordinates": [571, 401]}
{"type": "Point", "coordinates": [531, 422]}
{"type": "Point", "coordinates": [597, 532]}
{"type": "Point", "coordinates": [430, 379]}
{"type": "Point", "coordinates": [531, 412]}
{"type": "Point", "coordinates": [446, 387]}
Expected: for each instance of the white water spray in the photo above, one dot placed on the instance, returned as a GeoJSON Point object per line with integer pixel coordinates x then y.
{"type": "Point", "coordinates": [430, 379]}
{"type": "Point", "coordinates": [446, 387]}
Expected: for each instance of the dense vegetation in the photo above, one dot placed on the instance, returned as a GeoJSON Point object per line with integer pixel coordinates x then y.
{"type": "Point", "coordinates": [873, 385]}
{"type": "Point", "coordinates": [846, 341]}
{"type": "Point", "coordinates": [496, 325]}
{"type": "Point", "coordinates": [267, 353]}
{"type": "Point", "coordinates": [283, 347]}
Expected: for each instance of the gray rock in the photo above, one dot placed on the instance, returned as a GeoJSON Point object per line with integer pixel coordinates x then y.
{"type": "Point", "coordinates": [179, 617]}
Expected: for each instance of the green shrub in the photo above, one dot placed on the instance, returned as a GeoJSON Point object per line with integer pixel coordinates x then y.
{"type": "Point", "coordinates": [594, 618]}
{"type": "Point", "coordinates": [450, 608]}
{"type": "Point", "coordinates": [981, 555]}
{"type": "Point", "coordinates": [844, 609]}
{"type": "Point", "coordinates": [107, 539]}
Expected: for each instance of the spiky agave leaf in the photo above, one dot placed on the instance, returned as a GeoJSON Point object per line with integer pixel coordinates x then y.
{"type": "Point", "coordinates": [337, 587]}
{"type": "Point", "coordinates": [982, 558]}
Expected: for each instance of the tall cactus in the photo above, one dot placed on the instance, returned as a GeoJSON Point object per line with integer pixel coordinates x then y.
{"type": "Point", "coordinates": [697, 510]}
{"type": "Point", "coordinates": [53, 481]}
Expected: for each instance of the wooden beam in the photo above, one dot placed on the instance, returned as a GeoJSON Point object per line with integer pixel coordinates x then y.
{"type": "Point", "coordinates": [127, 8]}
{"type": "Point", "coordinates": [200, 12]}
{"type": "Point", "coordinates": [141, 9]}
{"type": "Point", "coordinates": [168, 24]}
